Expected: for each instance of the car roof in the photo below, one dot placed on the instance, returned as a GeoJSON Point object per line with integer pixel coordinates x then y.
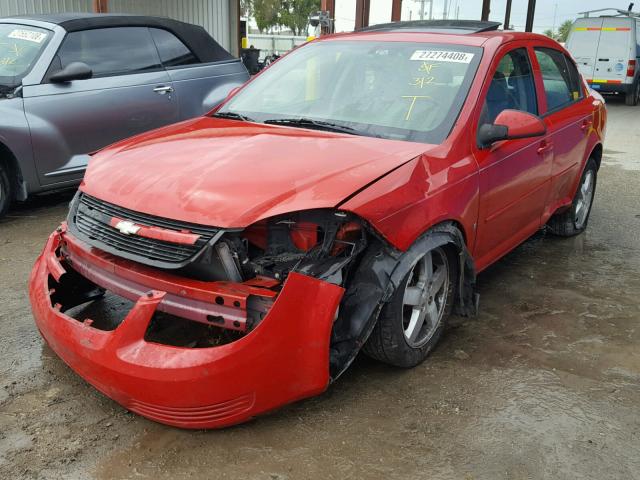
{"type": "Point", "coordinates": [194, 36]}
{"type": "Point", "coordinates": [437, 26]}
{"type": "Point", "coordinates": [476, 39]}
{"type": "Point", "coordinates": [69, 20]}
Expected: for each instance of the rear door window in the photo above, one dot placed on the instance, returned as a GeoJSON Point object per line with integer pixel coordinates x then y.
{"type": "Point", "coordinates": [173, 52]}
{"type": "Point", "coordinates": [111, 51]}
{"type": "Point", "coordinates": [561, 81]}
{"type": "Point", "coordinates": [512, 87]}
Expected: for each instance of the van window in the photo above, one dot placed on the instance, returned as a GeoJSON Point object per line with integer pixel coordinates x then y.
{"type": "Point", "coordinates": [512, 87]}
{"type": "Point", "coordinates": [111, 51]}
{"type": "Point", "coordinates": [561, 84]}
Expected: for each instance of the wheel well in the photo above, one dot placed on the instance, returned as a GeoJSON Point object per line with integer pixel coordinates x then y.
{"type": "Point", "coordinates": [596, 154]}
{"type": "Point", "coordinates": [456, 244]}
{"type": "Point", "coordinates": [451, 224]}
{"type": "Point", "coordinates": [8, 160]}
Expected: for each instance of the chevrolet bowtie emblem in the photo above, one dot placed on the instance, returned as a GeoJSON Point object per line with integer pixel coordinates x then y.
{"type": "Point", "coordinates": [126, 227]}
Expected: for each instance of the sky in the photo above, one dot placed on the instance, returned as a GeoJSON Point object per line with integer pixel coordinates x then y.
{"type": "Point", "coordinates": [548, 12]}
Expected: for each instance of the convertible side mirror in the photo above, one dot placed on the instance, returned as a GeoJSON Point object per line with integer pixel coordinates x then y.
{"type": "Point", "coordinates": [73, 71]}
{"type": "Point", "coordinates": [511, 125]}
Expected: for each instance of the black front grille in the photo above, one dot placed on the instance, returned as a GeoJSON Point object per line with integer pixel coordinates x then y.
{"type": "Point", "coordinates": [90, 220]}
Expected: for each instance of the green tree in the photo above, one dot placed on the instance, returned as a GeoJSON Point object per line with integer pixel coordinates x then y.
{"type": "Point", "coordinates": [292, 14]}
{"type": "Point", "coordinates": [563, 31]}
{"type": "Point", "coordinates": [266, 13]}
{"type": "Point", "coordinates": [295, 14]}
{"type": "Point", "coordinates": [549, 33]}
{"type": "Point", "coordinates": [246, 8]}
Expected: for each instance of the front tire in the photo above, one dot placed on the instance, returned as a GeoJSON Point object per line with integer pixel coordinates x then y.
{"type": "Point", "coordinates": [6, 192]}
{"type": "Point", "coordinates": [573, 221]}
{"type": "Point", "coordinates": [411, 323]}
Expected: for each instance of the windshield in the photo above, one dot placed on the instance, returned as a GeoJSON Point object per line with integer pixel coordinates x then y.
{"type": "Point", "coordinates": [20, 47]}
{"type": "Point", "coordinates": [396, 90]}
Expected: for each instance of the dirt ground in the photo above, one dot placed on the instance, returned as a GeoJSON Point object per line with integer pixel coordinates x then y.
{"type": "Point", "coordinates": [544, 383]}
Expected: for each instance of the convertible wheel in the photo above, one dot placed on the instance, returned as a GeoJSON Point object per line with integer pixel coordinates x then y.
{"type": "Point", "coordinates": [6, 195]}
{"type": "Point", "coordinates": [574, 220]}
{"type": "Point", "coordinates": [411, 323]}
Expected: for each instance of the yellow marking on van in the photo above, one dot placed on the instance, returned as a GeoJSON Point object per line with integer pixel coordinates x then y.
{"type": "Point", "coordinates": [603, 29]}
{"type": "Point", "coordinates": [599, 80]}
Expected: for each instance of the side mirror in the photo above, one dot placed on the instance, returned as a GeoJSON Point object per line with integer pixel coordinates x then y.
{"type": "Point", "coordinates": [73, 71]}
{"type": "Point", "coordinates": [511, 125]}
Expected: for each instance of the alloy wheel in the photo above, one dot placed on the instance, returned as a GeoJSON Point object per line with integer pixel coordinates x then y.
{"type": "Point", "coordinates": [583, 202]}
{"type": "Point", "coordinates": [425, 298]}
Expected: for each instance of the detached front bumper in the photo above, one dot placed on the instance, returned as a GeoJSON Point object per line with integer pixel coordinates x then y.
{"type": "Point", "coordinates": [283, 359]}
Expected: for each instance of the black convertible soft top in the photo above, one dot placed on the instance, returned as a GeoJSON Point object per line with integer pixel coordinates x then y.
{"type": "Point", "coordinates": [193, 36]}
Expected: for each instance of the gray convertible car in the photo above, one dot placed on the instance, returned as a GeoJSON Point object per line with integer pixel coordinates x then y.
{"type": "Point", "coordinates": [71, 84]}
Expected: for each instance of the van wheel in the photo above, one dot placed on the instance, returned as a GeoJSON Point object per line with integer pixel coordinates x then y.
{"type": "Point", "coordinates": [6, 191]}
{"type": "Point", "coordinates": [574, 220]}
{"type": "Point", "coordinates": [633, 95]}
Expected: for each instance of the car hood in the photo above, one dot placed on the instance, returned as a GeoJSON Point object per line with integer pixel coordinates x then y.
{"type": "Point", "coordinates": [229, 174]}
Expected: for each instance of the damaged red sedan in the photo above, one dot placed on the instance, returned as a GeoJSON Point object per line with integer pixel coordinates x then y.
{"type": "Point", "coordinates": [343, 200]}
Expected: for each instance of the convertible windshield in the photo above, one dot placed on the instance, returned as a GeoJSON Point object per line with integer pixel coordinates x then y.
{"type": "Point", "coordinates": [20, 47]}
{"type": "Point", "coordinates": [396, 90]}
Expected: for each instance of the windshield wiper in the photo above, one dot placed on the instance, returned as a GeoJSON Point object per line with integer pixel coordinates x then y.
{"type": "Point", "coordinates": [310, 123]}
{"type": "Point", "coordinates": [233, 116]}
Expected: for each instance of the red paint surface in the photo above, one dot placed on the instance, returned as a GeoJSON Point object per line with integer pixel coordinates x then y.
{"type": "Point", "coordinates": [227, 173]}
{"type": "Point", "coordinates": [521, 124]}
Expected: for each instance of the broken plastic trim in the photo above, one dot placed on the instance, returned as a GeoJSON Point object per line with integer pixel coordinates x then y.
{"type": "Point", "coordinates": [378, 275]}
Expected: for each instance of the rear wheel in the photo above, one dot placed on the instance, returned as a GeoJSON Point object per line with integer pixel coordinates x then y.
{"type": "Point", "coordinates": [574, 220]}
{"type": "Point", "coordinates": [633, 95]}
{"type": "Point", "coordinates": [6, 192]}
{"type": "Point", "coordinates": [411, 323]}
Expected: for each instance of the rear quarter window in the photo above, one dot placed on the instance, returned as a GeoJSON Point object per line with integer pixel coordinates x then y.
{"type": "Point", "coordinates": [173, 52]}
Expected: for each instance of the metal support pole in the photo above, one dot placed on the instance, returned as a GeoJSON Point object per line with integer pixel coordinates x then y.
{"type": "Point", "coordinates": [101, 6]}
{"type": "Point", "coordinates": [486, 9]}
{"type": "Point", "coordinates": [507, 16]}
{"type": "Point", "coordinates": [531, 12]}
{"type": "Point", "coordinates": [329, 6]}
{"type": "Point", "coordinates": [362, 13]}
{"type": "Point", "coordinates": [235, 38]}
{"type": "Point", "coordinates": [396, 10]}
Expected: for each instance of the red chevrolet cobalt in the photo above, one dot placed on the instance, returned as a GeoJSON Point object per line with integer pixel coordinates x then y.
{"type": "Point", "coordinates": [343, 200]}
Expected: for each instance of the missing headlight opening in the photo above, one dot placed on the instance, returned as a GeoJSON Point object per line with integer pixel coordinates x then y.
{"type": "Point", "coordinates": [229, 287]}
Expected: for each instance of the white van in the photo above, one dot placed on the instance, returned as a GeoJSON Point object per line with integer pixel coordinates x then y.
{"type": "Point", "coordinates": [606, 51]}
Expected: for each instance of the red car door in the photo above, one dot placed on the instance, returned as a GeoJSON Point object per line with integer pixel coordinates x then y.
{"type": "Point", "coordinates": [514, 174]}
{"type": "Point", "coordinates": [569, 116]}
